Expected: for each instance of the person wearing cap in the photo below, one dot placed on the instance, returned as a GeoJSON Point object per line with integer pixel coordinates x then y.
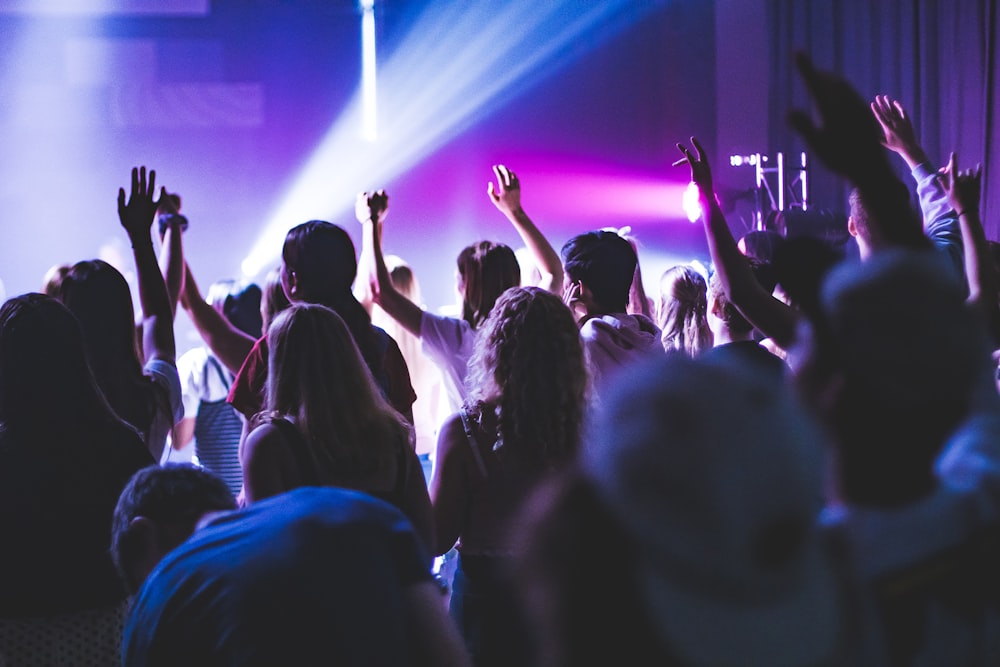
{"type": "Point", "coordinates": [688, 534]}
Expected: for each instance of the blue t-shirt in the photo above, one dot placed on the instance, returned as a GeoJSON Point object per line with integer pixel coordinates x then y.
{"type": "Point", "coordinates": [314, 576]}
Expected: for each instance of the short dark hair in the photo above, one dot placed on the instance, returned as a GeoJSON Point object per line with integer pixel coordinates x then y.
{"type": "Point", "coordinates": [171, 493]}
{"type": "Point", "coordinates": [760, 244]}
{"type": "Point", "coordinates": [605, 263]}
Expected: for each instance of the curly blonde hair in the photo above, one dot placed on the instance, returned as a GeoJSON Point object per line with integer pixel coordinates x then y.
{"type": "Point", "coordinates": [528, 366]}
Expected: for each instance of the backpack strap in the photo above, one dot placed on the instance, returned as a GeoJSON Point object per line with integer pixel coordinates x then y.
{"type": "Point", "coordinates": [473, 443]}
{"type": "Point", "coordinates": [214, 363]}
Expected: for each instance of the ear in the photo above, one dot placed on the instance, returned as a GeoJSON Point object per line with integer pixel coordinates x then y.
{"type": "Point", "coordinates": [852, 228]}
{"type": "Point", "coordinates": [142, 532]}
{"type": "Point", "coordinates": [294, 288]}
{"type": "Point", "coordinates": [143, 540]}
{"type": "Point", "coordinates": [715, 307]}
{"type": "Point", "coordinates": [586, 298]}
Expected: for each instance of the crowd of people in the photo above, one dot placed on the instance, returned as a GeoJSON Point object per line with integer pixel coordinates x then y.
{"type": "Point", "coordinates": [792, 460]}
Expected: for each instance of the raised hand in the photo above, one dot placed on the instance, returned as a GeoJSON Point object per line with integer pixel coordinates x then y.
{"type": "Point", "coordinates": [701, 173]}
{"type": "Point", "coordinates": [572, 296]}
{"type": "Point", "coordinates": [897, 129]}
{"type": "Point", "coordinates": [170, 214]}
{"type": "Point", "coordinates": [137, 214]}
{"type": "Point", "coordinates": [848, 139]}
{"type": "Point", "coordinates": [506, 196]}
{"type": "Point", "coordinates": [963, 187]}
{"type": "Point", "coordinates": [170, 203]}
{"type": "Point", "coordinates": [372, 206]}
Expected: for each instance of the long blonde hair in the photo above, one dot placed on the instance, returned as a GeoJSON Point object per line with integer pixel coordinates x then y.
{"type": "Point", "coordinates": [317, 376]}
{"type": "Point", "coordinates": [681, 312]}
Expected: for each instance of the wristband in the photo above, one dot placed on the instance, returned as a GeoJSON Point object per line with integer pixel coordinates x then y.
{"type": "Point", "coordinates": [166, 218]}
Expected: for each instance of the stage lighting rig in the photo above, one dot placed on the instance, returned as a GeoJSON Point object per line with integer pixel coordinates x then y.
{"type": "Point", "coordinates": [788, 180]}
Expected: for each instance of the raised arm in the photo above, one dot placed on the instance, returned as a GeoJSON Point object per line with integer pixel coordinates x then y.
{"type": "Point", "coordinates": [506, 196]}
{"type": "Point", "coordinates": [963, 189]}
{"type": "Point", "coordinates": [848, 140]}
{"type": "Point", "coordinates": [371, 209]}
{"type": "Point", "coordinates": [364, 291]}
{"type": "Point", "coordinates": [897, 130]}
{"type": "Point", "coordinates": [136, 216]}
{"type": "Point", "coordinates": [172, 225]}
{"type": "Point", "coordinates": [230, 345]}
{"type": "Point", "coordinates": [772, 317]}
{"type": "Point", "coordinates": [939, 218]}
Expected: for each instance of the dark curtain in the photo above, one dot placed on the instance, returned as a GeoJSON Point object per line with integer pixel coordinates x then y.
{"type": "Point", "coordinates": [938, 57]}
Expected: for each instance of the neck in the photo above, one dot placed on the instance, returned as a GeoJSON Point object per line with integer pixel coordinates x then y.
{"type": "Point", "coordinates": [723, 335]}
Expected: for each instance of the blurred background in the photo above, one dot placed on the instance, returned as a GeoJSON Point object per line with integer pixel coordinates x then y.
{"type": "Point", "coordinates": [262, 114]}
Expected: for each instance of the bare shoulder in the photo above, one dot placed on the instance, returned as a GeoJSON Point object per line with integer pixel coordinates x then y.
{"type": "Point", "coordinates": [265, 441]}
{"type": "Point", "coordinates": [451, 436]}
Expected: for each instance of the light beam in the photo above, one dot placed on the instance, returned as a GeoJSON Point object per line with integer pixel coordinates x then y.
{"type": "Point", "coordinates": [459, 59]}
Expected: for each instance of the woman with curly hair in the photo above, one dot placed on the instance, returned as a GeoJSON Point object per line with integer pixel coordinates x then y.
{"type": "Point", "coordinates": [484, 270]}
{"type": "Point", "coordinates": [681, 312]}
{"type": "Point", "coordinates": [522, 421]}
{"type": "Point", "coordinates": [326, 423]}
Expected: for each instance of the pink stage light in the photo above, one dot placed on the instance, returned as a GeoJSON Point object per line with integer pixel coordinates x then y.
{"type": "Point", "coordinates": [594, 193]}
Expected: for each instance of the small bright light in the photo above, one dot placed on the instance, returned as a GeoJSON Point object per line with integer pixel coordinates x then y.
{"type": "Point", "coordinates": [736, 160]}
{"type": "Point", "coordinates": [692, 203]}
{"type": "Point", "coordinates": [250, 268]}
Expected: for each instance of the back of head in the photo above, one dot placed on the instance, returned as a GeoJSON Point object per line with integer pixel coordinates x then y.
{"type": "Point", "coordinates": [53, 279]}
{"type": "Point", "coordinates": [175, 496]}
{"type": "Point", "coordinates": [724, 309]}
{"type": "Point", "coordinates": [45, 378]}
{"type": "Point", "coordinates": [403, 279]}
{"type": "Point", "coordinates": [860, 217]}
{"type": "Point", "coordinates": [681, 311]}
{"type": "Point", "coordinates": [317, 375]}
{"type": "Point", "coordinates": [716, 475]}
{"type": "Point", "coordinates": [485, 270]}
{"type": "Point", "coordinates": [605, 263]}
{"type": "Point", "coordinates": [760, 244]}
{"type": "Point", "coordinates": [800, 265]}
{"type": "Point", "coordinates": [322, 257]}
{"type": "Point", "coordinates": [913, 361]}
{"type": "Point", "coordinates": [729, 314]}
{"type": "Point", "coordinates": [529, 362]}
{"type": "Point", "coordinates": [100, 298]}
{"type": "Point", "coordinates": [239, 301]}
